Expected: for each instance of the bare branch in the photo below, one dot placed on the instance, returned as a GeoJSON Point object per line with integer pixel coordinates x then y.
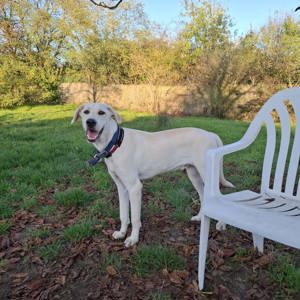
{"type": "Point", "coordinates": [102, 4]}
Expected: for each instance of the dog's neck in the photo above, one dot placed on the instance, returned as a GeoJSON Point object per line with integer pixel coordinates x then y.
{"type": "Point", "coordinates": [106, 136]}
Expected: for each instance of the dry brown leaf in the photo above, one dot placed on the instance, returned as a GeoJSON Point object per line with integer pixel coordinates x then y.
{"type": "Point", "coordinates": [20, 275]}
{"type": "Point", "coordinates": [262, 261]}
{"type": "Point", "coordinates": [36, 284]}
{"type": "Point", "coordinates": [178, 277]}
{"type": "Point", "coordinates": [61, 280]}
{"type": "Point", "coordinates": [227, 252]}
{"type": "Point", "coordinates": [165, 272]}
{"type": "Point", "coordinates": [14, 260]}
{"type": "Point", "coordinates": [111, 270]}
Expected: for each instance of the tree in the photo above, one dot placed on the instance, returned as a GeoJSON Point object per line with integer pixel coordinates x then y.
{"type": "Point", "coordinates": [152, 63]}
{"type": "Point", "coordinates": [280, 43]}
{"type": "Point", "coordinates": [215, 68]}
{"type": "Point", "coordinates": [103, 55]}
{"type": "Point", "coordinates": [34, 36]}
{"type": "Point", "coordinates": [101, 63]}
{"type": "Point", "coordinates": [207, 28]}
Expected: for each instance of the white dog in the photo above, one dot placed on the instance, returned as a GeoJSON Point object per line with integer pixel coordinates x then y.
{"type": "Point", "coordinates": [132, 155]}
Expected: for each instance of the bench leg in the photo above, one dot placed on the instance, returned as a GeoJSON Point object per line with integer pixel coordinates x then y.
{"type": "Point", "coordinates": [258, 242]}
{"type": "Point", "coordinates": [204, 231]}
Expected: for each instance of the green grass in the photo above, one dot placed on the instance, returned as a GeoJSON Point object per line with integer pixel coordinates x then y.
{"type": "Point", "coordinates": [6, 210]}
{"type": "Point", "coordinates": [73, 197]}
{"type": "Point", "coordinates": [46, 210]}
{"type": "Point", "coordinates": [285, 274]}
{"type": "Point", "coordinates": [154, 258]}
{"type": "Point", "coordinates": [240, 252]}
{"type": "Point", "coordinates": [50, 252]}
{"type": "Point", "coordinates": [101, 179]}
{"type": "Point", "coordinates": [42, 150]}
{"type": "Point", "coordinates": [84, 229]}
{"type": "Point", "coordinates": [114, 260]}
{"type": "Point", "coordinates": [104, 208]}
{"type": "Point", "coordinates": [41, 153]}
{"type": "Point", "coordinates": [4, 263]}
{"type": "Point", "coordinates": [28, 203]}
{"type": "Point", "coordinates": [39, 233]}
{"type": "Point", "coordinates": [159, 296]}
{"type": "Point", "coordinates": [4, 227]}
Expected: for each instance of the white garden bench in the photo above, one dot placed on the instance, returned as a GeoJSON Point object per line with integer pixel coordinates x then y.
{"type": "Point", "coordinates": [274, 213]}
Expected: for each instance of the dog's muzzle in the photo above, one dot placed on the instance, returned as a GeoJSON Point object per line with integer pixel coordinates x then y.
{"type": "Point", "coordinates": [92, 135]}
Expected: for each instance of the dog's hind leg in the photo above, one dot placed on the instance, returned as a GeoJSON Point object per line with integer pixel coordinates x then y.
{"type": "Point", "coordinates": [197, 182]}
{"type": "Point", "coordinates": [220, 225]}
{"type": "Point", "coordinates": [124, 208]}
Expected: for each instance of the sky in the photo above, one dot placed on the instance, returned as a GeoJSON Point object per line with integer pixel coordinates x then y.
{"type": "Point", "coordinates": [245, 14]}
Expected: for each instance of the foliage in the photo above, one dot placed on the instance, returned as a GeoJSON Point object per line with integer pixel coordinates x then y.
{"type": "Point", "coordinates": [32, 40]}
{"type": "Point", "coordinates": [280, 42]}
{"type": "Point", "coordinates": [222, 77]}
{"type": "Point", "coordinates": [207, 29]}
{"type": "Point", "coordinates": [152, 63]}
{"type": "Point", "coordinates": [45, 43]}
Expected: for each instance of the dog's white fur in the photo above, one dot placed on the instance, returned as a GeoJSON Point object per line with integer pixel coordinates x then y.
{"type": "Point", "coordinates": [143, 155]}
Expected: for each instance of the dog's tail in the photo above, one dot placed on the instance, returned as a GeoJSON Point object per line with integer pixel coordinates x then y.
{"type": "Point", "coordinates": [223, 181]}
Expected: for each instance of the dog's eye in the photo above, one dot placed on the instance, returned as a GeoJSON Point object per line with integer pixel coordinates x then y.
{"type": "Point", "coordinates": [86, 111]}
{"type": "Point", "coordinates": [101, 112]}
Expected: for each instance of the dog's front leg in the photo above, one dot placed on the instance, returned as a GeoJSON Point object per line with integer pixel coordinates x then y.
{"type": "Point", "coordinates": [123, 206]}
{"type": "Point", "coordinates": [124, 212]}
{"type": "Point", "coordinates": [135, 196]}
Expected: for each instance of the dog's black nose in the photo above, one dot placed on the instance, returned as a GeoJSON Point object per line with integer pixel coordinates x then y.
{"type": "Point", "coordinates": [91, 123]}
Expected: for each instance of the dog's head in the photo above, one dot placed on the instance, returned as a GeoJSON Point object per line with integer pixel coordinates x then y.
{"type": "Point", "coordinates": [94, 117]}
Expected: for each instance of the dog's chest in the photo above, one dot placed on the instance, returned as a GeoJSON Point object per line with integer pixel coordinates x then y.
{"type": "Point", "coordinates": [113, 168]}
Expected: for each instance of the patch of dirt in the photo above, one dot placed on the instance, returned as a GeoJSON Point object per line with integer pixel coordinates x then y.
{"type": "Point", "coordinates": [79, 272]}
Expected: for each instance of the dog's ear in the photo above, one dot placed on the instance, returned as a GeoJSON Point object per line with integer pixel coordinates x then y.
{"type": "Point", "coordinates": [76, 114]}
{"type": "Point", "coordinates": [114, 114]}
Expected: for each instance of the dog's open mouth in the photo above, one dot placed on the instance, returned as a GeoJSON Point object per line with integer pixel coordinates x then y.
{"type": "Point", "coordinates": [92, 135]}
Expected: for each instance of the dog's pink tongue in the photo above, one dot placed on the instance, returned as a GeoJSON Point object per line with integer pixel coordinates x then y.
{"type": "Point", "coordinates": [92, 134]}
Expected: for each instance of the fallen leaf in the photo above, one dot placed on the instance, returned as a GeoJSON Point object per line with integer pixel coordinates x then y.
{"type": "Point", "coordinates": [20, 275]}
{"type": "Point", "coordinates": [111, 270]}
{"type": "Point", "coordinates": [36, 284]}
{"type": "Point", "coordinates": [178, 277]}
{"type": "Point", "coordinates": [165, 272]}
{"type": "Point", "coordinates": [15, 249]}
{"type": "Point", "coordinates": [45, 294]}
{"type": "Point", "coordinates": [262, 261]}
{"type": "Point", "coordinates": [36, 259]}
{"type": "Point", "coordinates": [5, 243]}
{"type": "Point", "coordinates": [14, 260]}
{"type": "Point", "coordinates": [61, 280]}
{"type": "Point", "coordinates": [228, 252]}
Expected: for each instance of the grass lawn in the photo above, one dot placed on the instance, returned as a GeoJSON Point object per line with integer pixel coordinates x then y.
{"type": "Point", "coordinates": [57, 216]}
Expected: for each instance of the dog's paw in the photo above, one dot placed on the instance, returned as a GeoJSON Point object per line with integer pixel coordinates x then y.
{"type": "Point", "coordinates": [196, 218]}
{"type": "Point", "coordinates": [220, 226]}
{"type": "Point", "coordinates": [130, 241]}
{"type": "Point", "coordinates": [118, 235]}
